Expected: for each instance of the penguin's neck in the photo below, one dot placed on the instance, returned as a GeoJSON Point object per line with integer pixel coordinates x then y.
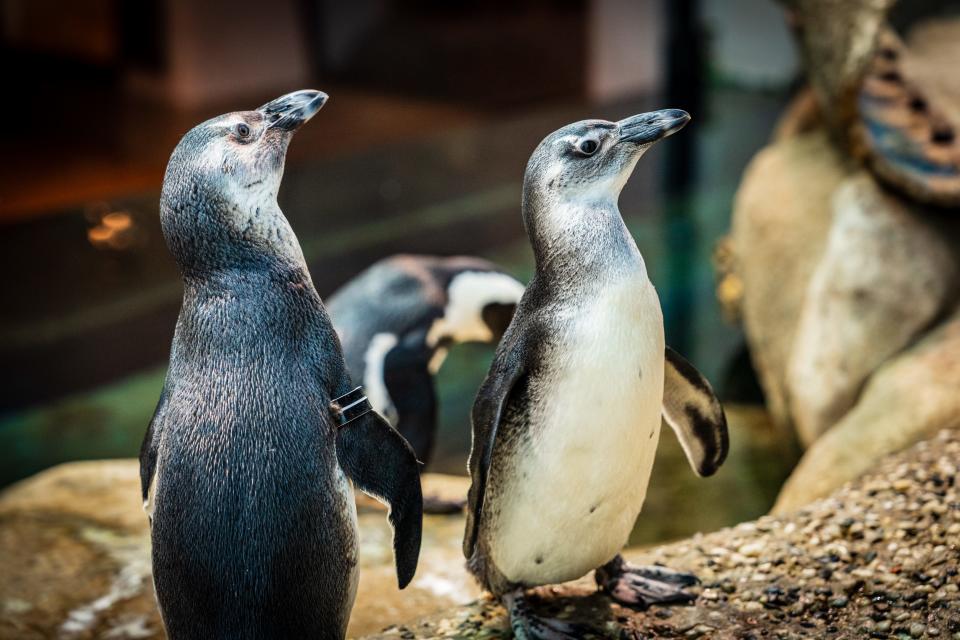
{"type": "Point", "coordinates": [215, 236]}
{"type": "Point", "coordinates": [583, 242]}
{"type": "Point", "coordinates": [274, 284]}
{"type": "Point", "coordinates": [226, 308]}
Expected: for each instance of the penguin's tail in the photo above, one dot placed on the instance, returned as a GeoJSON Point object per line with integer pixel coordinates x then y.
{"type": "Point", "coordinates": [487, 574]}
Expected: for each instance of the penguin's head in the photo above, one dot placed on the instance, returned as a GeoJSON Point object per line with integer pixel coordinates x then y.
{"type": "Point", "coordinates": [219, 206]}
{"type": "Point", "coordinates": [590, 161]}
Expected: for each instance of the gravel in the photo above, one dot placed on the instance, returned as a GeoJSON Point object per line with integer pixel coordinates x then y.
{"type": "Point", "coordinates": [880, 558]}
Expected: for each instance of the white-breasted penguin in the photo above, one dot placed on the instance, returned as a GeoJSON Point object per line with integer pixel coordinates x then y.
{"type": "Point", "coordinates": [246, 467]}
{"type": "Point", "coordinates": [566, 424]}
{"type": "Point", "coordinates": [397, 319]}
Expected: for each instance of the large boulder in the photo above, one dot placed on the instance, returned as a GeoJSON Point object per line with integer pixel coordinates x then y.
{"type": "Point", "coordinates": [907, 399]}
{"type": "Point", "coordinates": [843, 283]}
{"type": "Point", "coordinates": [888, 270]}
{"type": "Point", "coordinates": [842, 280]}
{"type": "Point", "coordinates": [781, 218]}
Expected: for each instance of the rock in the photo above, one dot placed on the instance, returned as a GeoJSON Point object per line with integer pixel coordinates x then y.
{"type": "Point", "coordinates": [828, 300]}
{"type": "Point", "coordinates": [836, 42]}
{"type": "Point", "coordinates": [836, 280]}
{"type": "Point", "coordinates": [828, 297]}
{"type": "Point", "coordinates": [781, 218]}
{"type": "Point", "coordinates": [75, 552]}
{"type": "Point", "coordinates": [75, 555]}
{"type": "Point", "coordinates": [907, 399]}
{"type": "Point", "coordinates": [935, 47]}
{"type": "Point", "coordinates": [887, 271]}
{"type": "Point", "coordinates": [802, 115]}
{"type": "Point", "coordinates": [735, 602]}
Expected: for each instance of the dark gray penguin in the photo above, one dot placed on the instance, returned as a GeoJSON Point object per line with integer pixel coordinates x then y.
{"type": "Point", "coordinates": [246, 467]}
{"type": "Point", "coordinates": [566, 424]}
{"type": "Point", "coordinates": [397, 319]}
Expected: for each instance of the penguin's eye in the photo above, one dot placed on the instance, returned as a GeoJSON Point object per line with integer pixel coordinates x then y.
{"type": "Point", "coordinates": [588, 147]}
{"type": "Point", "coordinates": [243, 131]}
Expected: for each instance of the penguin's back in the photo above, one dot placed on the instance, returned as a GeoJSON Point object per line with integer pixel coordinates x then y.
{"type": "Point", "coordinates": [254, 523]}
{"type": "Point", "coordinates": [391, 297]}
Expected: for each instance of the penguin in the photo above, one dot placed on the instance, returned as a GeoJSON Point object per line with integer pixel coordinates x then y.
{"type": "Point", "coordinates": [397, 319]}
{"type": "Point", "coordinates": [567, 421]}
{"type": "Point", "coordinates": [247, 465]}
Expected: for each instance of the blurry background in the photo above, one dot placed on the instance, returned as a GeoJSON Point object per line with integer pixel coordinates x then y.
{"type": "Point", "coordinates": [435, 107]}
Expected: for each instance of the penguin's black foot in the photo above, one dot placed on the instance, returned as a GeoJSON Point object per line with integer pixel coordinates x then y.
{"type": "Point", "coordinates": [527, 626]}
{"type": "Point", "coordinates": [440, 506]}
{"type": "Point", "coordinates": [639, 587]}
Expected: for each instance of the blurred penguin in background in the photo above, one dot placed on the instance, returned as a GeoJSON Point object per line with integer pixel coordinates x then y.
{"type": "Point", "coordinates": [397, 320]}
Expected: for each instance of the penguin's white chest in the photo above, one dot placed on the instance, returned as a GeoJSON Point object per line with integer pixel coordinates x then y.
{"type": "Point", "coordinates": [577, 490]}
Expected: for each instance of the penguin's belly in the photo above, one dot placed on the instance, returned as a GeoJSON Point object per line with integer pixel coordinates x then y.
{"type": "Point", "coordinates": [579, 484]}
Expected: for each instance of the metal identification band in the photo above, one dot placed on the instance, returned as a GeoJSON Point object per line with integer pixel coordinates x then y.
{"type": "Point", "coordinates": [350, 406]}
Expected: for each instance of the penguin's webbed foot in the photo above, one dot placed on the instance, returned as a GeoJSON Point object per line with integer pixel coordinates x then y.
{"type": "Point", "coordinates": [639, 587]}
{"type": "Point", "coordinates": [436, 505]}
{"type": "Point", "coordinates": [527, 626]}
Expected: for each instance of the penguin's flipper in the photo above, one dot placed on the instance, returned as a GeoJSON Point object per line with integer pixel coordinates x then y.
{"type": "Point", "coordinates": [694, 413]}
{"type": "Point", "coordinates": [382, 464]}
{"type": "Point", "coordinates": [149, 452]}
{"type": "Point", "coordinates": [492, 398]}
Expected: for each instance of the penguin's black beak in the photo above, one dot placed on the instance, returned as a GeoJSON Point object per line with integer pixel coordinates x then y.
{"type": "Point", "coordinates": [646, 128]}
{"type": "Point", "coordinates": [288, 112]}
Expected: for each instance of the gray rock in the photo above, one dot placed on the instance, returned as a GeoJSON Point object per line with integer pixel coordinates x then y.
{"type": "Point", "coordinates": [834, 284]}
{"type": "Point", "coordinates": [74, 551]}
{"type": "Point", "coordinates": [907, 399]}
{"type": "Point", "coordinates": [886, 273]}
{"type": "Point", "coordinates": [75, 533]}
{"type": "Point", "coordinates": [781, 218]}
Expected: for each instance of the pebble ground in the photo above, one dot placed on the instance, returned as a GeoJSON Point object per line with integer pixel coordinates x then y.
{"type": "Point", "coordinates": [878, 559]}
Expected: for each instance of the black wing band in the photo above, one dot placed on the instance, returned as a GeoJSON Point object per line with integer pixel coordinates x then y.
{"type": "Point", "coordinates": [350, 406]}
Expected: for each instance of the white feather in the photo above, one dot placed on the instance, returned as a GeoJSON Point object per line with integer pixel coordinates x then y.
{"type": "Point", "coordinates": [149, 505]}
{"type": "Point", "coordinates": [373, 382]}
